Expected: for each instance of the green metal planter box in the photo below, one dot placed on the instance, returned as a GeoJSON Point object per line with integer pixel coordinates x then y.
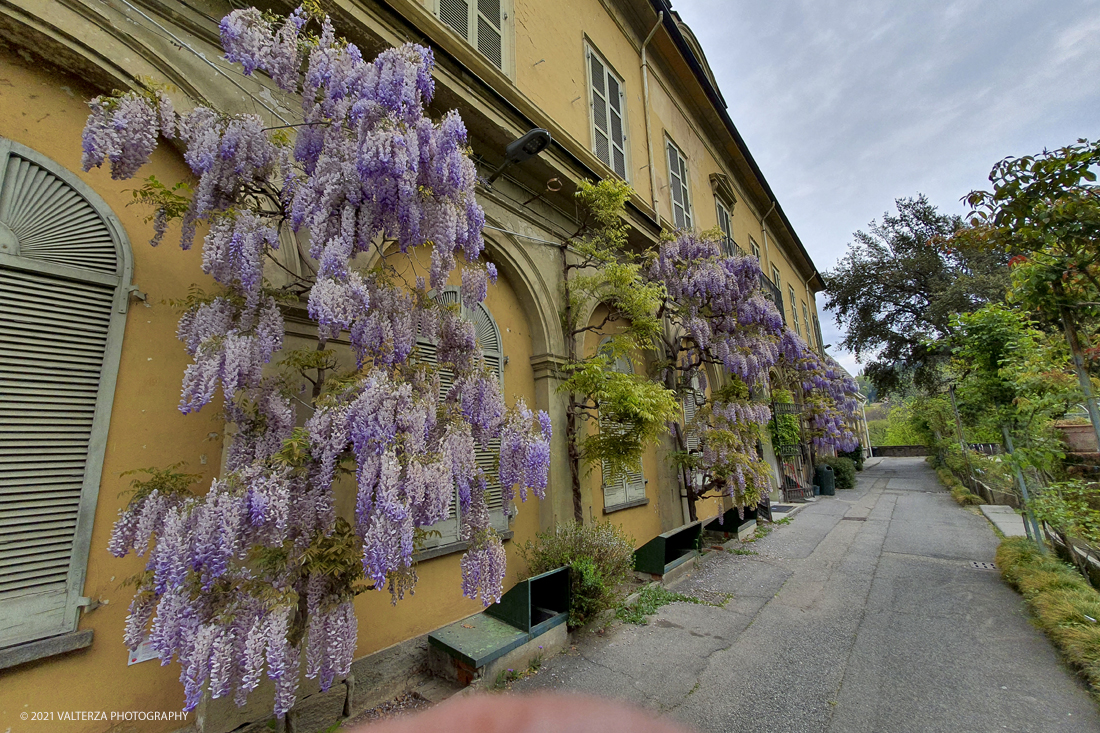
{"type": "Point", "coordinates": [537, 604]}
{"type": "Point", "coordinates": [665, 551]}
{"type": "Point", "coordinates": [528, 610]}
{"type": "Point", "coordinates": [731, 520]}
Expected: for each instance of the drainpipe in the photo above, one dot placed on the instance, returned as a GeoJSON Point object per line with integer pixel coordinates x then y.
{"type": "Point", "coordinates": [645, 102]}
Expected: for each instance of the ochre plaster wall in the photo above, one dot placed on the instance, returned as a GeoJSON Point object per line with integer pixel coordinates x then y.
{"type": "Point", "coordinates": [45, 111]}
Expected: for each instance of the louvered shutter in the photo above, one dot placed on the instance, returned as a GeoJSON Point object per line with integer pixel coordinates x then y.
{"type": "Point", "coordinates": [63, 272]}
{"type": "Point", "coordinates": [447, 527]}
{"type": "Point", "coordinates": [630, 485]}
{"type": "Point", "coordinates": [490, 39]}
{"type": "Point", "coordinates": [614, 487]}
{"type": "Point", "coordinates": [456, 14]}
{"type": "Point", "coordinates": [691, 436]}
{"type": "Point", "coordinates": [608, 128]}
{"type": "Point", "coordinates": [678, 185]}
{"type": "Point", "coordinates": [601, 142]}
{"type": "Point", "coordinates": [615, 118]}
{"type": "Point", "coordinates": [479, 22]}
{"type": "Point", "coordinates": [488, 338]}
{"type": "Point", "coordinates": [726, 226]}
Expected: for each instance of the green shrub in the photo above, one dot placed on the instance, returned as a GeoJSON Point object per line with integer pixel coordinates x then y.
{"type": "Point", "coordinates": [1065, 606]}
{"type": "Point", "coordinates": [959, 492]}
{"type": "Point", "coordinates": [784, 428]}
{"type": "Point", "coordinates": [856, 456]}
{"type": "Point", "coordinates": [600, 555]}
{"type": "Point", "coordinates": [844, 471]}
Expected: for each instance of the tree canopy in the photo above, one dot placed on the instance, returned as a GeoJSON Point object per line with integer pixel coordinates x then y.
{"type": "Point", "coordinates": [899, 285]}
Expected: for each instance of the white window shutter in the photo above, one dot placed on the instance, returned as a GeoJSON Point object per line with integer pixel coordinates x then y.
{"type": "Point", "coordinates": [479, 22]}
{"type": "Point", "coordinates": [615, 119]}
{"type": "Point", "coordinates": [678, 187]}
{"type": "Point", "coordinates": [614, 487]}
{"type": "Point", "coordinates": [456, 14]}
{"type": "Point", "coordinates": [601, 142]}
{"type": "Point", "coordinates": [630, 484]}
{"type": "Point", "coordinates": [488, 339]}
{"type": "Point", "coordinates": [64, 265]}
{"type": "Point", "coordinates": [490, 38]}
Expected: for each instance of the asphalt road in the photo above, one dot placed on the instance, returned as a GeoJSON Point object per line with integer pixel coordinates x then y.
{"type": "Point", "coordinates": [863, 614]}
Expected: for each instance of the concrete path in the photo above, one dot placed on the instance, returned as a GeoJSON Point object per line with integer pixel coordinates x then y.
{"type": "Point", "coordinates": [864, 614]}
{"type": "Point", "coordinates": [1005, 519]}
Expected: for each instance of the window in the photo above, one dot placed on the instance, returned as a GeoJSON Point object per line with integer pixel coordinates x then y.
{"type": "Point", "coordinates": [725, 225]}
{"type": "Point", "coordinates": [775, 276]}
{"type": "Point", "coordinates": [608, 104]}
{"type": "Point", "coordinates": [628, 488]}
{"type": "Point", "coordinates": [678, 186]}
{"type": "Point", "coordinates": [480, 22]}
{"type": "Point", "coordinates": [755, 248]}
{"type": "Point", "coordinates": [806, 320]}
{"type": "Point", "coordinates": [693, 400]}
{"type": "Point", "coordinates": [64, 276]}
{"type": "Point", "coordinates": [794, 309]}
{"type": "Point", "coordinates": [488, 338]}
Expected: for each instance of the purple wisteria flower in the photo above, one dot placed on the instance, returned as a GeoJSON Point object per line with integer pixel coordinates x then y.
{"type": "Point", "coordinates": [368, 171]}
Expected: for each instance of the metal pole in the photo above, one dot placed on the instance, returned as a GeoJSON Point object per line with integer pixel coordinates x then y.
{"type": "Point", "coordinates": [962, 441]}
{"type": "Point", "coordinates": [1079, 361]}
{"type": "Point", "coordinates": [1036, 535]}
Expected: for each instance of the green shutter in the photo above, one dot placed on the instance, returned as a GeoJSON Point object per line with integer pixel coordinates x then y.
{"type": "Point", "coordinates": [64, 266]}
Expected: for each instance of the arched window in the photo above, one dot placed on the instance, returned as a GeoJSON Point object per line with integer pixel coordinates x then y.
{"type": "Point", "coordinates": [628, 488]}
{"type": "Point", "coordinates": [64, 283]}
{"type": "Point", "coordinates": [488, 339]}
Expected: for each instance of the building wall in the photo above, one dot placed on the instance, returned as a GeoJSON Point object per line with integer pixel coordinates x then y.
{"type": "Point", "coordinates": [547, 80]}
{"type": "Point", "coordinates": [44, 111]}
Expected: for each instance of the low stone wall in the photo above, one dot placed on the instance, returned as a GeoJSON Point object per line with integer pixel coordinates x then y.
{"type": "Point", "coordinates": [373, 680]}
{"type": "Point", "coordinates": [898, 451]}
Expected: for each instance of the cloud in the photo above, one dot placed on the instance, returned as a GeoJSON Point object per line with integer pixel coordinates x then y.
{"type": "Point", "coordinates": [848, 106]}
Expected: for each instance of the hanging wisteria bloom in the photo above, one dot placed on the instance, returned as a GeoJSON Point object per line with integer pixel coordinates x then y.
{"type": "Point", "coordinates": [828, 393]}
{"type": "Point", "coordinates": [257, 576]}
{"type": "Point", "coordinates": [719, 318]}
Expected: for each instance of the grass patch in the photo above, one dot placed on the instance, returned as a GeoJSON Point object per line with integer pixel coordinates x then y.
{"type": "Point", "coordinates": [651, 598]}
{"type": "Point", "coordinates": [742, 551]}
{"type": "Point", "coordinates": [959, 493]}
{"type": "Point", "coordinates": [1062, 602]}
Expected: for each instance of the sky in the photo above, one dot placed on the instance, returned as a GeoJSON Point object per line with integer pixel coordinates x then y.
{"type": "Point", "coordinates": [848, 106]}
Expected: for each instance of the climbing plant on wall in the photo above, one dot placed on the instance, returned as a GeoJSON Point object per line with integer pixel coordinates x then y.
{"type": "Point", "coordinates": [715, 315]}
{"type": "Point", "coordinates": [261, 569]}
{"type": "Point", "coordinates": [600, 270]}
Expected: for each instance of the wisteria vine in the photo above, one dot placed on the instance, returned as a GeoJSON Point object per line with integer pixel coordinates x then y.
{"type": "Point", "coordinates": [719, 315]}
{"type": "Point", "coordinates": [258, 574]}
{"type": "Point", "coordinates": [829, 395]}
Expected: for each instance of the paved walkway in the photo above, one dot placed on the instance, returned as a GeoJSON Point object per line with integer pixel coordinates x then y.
{"type": "Point", "coordinates": [864, 614]}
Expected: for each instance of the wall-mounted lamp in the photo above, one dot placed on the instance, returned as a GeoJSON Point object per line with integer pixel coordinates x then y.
{"type": "Point", "coordinates": [531, 144]}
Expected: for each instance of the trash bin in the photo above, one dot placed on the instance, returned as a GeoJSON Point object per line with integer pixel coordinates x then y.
{"type": "Point", "coordinates": [823, 477]}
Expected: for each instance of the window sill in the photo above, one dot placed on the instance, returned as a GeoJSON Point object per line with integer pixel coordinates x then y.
{"type": "Point", "coordinates": [452, 547]}
{"type": "Point", "coordinates": [13, 656]}
{"type": "Point", "coordinates": [627, 505]}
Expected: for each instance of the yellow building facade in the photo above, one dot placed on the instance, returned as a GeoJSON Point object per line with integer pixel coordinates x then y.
{"type": "Point", "coordinates": [624, 90]}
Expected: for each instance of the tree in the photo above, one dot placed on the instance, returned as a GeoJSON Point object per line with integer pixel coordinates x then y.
{"type": "Point", "coordinates": [716, 315]}
{"type": "Point", "coordinates": [1012, 378]}
{"type": "Point", "coordinates": [262, 568]}
{"type": "Point", "coordinates": [898, 286]}
{"type": "Point", "coordinates": [631, 409]}
{"type": "Point", "coordinates": [1045, 209]}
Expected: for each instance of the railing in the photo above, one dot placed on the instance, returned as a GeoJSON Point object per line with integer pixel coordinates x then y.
{"type": "Point", "coordinates": [774, 294]}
